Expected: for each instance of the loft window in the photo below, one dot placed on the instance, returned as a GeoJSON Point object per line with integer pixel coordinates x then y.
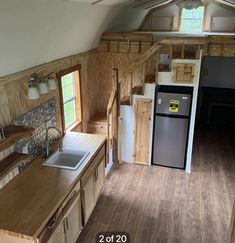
{"type": "Point", "coordinates": [70, 96]}
{"type": "Point", "coordinates": [192, 20]}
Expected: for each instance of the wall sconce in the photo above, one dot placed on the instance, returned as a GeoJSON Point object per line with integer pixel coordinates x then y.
{"type": "Point", "coordinates": [52, 83]}
{"type": "Point", "coordinates": [33, 93]}
{"type": "Point", "coordinates": [43, 87]}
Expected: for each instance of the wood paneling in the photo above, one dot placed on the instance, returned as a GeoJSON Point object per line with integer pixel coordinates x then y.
{"type": "Point", "coordinates": [143, 109]}
{"type": "Point", "coordinates": [13, 88]}
{"type": "Point", "coordinates": [108, 61]}
{"type": "Point", "coordinates": [5, 116]}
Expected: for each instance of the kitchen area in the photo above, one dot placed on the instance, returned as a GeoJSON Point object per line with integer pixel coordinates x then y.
{"type": "Point", "coordinates": [52, 202]}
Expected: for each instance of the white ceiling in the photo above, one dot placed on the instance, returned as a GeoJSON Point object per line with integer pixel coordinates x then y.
{"type": "Point", "coordinates": [104, 2]}
{"type": "Point", "coordinates": [145, 4]}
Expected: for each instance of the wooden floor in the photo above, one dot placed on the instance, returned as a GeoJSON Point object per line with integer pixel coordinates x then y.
{"type": "Point", "coordinates": [157, 204]}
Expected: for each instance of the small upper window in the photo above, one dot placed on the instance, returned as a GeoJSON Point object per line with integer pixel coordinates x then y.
{"type": "Point", "coordinates": [192, 20]}
{"type": "Point", "coordinates": [70, 97]}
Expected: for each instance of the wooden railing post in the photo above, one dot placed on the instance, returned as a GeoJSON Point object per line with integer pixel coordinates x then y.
{"type": "Point", "coordinates": [112, 117]}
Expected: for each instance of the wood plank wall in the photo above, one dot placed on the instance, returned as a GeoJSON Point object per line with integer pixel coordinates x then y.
{"type": "Point", "coordinates": [13, 88]}
{"type": "Point", "coordinates": [108, 61]}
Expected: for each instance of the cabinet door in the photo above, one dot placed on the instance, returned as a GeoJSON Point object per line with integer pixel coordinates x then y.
{"type": "Point", "coordinates": [73, 221]}
{"type": "Point", "coordinates": [58, 235]}
{"type": "Point", "coordinates": [143, 109]}
{"type": "Point", "coordinates": [89, 198]}
{"type": "Point", "coordinates": [99, 178]}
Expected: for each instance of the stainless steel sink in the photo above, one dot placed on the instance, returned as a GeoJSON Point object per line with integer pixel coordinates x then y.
{"type": "Point", "coordinates": [67, 159]}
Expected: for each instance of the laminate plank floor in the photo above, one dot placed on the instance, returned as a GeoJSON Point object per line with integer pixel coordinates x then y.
{"type": "Point", "coordinates": [157, 204]}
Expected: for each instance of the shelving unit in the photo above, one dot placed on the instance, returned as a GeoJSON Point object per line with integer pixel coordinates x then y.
{"type": "Point", "coordinates": [11, 162]}
{"type": "Point", "coordinates": [14, 134]}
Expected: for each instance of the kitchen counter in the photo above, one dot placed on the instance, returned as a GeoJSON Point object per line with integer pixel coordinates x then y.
{"type": "Point", "coordinates": [30, 199]}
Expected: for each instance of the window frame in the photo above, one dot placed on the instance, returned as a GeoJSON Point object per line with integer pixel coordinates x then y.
{"type": "Point", "coordinates": [77, 97]}
{"type": "Point", "coordinates": [203, 18]}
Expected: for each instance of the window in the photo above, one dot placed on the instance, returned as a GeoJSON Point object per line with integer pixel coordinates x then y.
{"type": "Point", "coordinates": [192, 20]}
{"type": "Point", "coordinates": [70, 97]}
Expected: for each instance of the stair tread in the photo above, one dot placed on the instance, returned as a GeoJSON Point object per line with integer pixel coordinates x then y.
{"type": "Point", "coordinates": [138, 89]}
{"type": "Point", "coordinates": [99, 118]}
{"type": "Point", "coordinates": [126, 100]}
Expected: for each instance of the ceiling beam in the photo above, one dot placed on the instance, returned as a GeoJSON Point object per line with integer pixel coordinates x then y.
{"type": "Point", "coordinates": [146, 4]}
{"type": "Point", "coordinates": [97, 1]}
{"type": "Point", "coordinates": [141, 3]}
{"type": "Point", "coordinates": [161, 5]}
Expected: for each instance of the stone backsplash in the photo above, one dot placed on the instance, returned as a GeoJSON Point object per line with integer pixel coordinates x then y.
{"type": "Point", "coordinates": [39, 118]}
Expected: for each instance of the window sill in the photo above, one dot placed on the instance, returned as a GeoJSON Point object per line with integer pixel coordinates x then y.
{"type": "Point", "coordinates": [70, 128]}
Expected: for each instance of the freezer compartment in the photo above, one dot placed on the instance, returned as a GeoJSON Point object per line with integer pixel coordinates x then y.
{"type": "Point", "coordinates": [173, 104]}
{"type": "Point", "coordinates": [170, 141]}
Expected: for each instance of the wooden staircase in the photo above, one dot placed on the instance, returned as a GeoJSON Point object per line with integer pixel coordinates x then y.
{"type": "Point", "coordinates": [146, 67]}
{"type": "Point", "coordinates": [145, 70]}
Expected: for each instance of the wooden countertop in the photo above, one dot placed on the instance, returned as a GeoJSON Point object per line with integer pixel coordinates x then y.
{"type": "Point", "coordinates": [31, 198]}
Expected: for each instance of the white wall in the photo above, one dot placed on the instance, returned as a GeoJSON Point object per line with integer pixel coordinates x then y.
{"type": "Point", "coordinates": [129, 19]}
{"type": "Point", "coordinates": [170, 11]}
{"type": "Point", "coordinates": [217, 11]}
{"type": "Point", "coordinates": [34, 32]}
{"type": "Point", "coordinates": [212, 10]}
{"type": "Point", "coordinates": [126, 133]}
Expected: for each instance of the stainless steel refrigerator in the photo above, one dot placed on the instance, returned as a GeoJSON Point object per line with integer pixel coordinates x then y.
{"type": "Point", "coordinates": [171, 129]}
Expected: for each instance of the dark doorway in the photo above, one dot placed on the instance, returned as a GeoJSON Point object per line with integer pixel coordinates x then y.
{"type": "Point", "coordinates": [216, 100]}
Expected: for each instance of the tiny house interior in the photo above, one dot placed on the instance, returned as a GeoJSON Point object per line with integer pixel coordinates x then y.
{"type": "Point", "coordinates": [117, 121]}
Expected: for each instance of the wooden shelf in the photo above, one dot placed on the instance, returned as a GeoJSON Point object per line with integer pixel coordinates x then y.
{"type": "Point", "coordinates": [13, 134]}
{"type": "Point", "coordinates": [10, 162]}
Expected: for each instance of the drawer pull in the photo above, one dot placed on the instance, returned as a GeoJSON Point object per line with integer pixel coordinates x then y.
{"type": "Point", "coordinates": [52, 224]}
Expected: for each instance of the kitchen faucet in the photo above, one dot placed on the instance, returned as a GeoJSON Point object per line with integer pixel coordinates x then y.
{"type": "Point", "coordinates": [47, 140]}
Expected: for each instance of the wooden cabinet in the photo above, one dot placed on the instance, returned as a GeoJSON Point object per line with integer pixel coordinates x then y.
{"type": "Point", "coordinates": [99, 179]}
{"type": "Point", "coordinates": [143, 108]}
{"type": "Point", "coordinates": [184, 73]}
{"type": "Point", "coordinates": [72, 221]}
{"type": "Point", "coordinates": [66, 224]}
{"type": "Point", "coordinates": [69, 228]}
{"type": "Point", "coordinates": [88, 198]}
{"type": "Point", "coordinates": [92, 184]}
{"type": "Point", "coordinates": [58, 235]}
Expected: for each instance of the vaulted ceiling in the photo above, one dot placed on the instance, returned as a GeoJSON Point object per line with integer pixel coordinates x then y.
{"type": "Point", "coordinates": [143, 3]}
{"type": "Point", "coordinates": [39, 31]}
